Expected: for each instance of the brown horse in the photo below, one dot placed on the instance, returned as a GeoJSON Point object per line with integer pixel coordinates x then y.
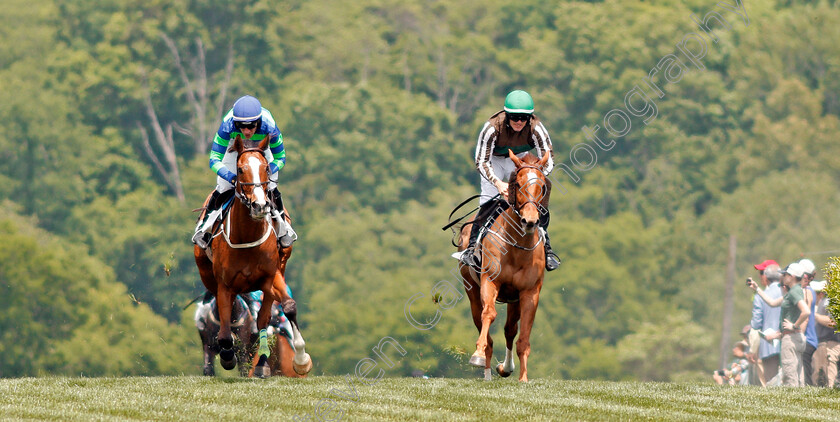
{"type": "Point", "coordinates": [513, 267]}
{"type": "Point", "coordinates": [246, 258]}
{"type": "Point", "coordinates": [281, 359]}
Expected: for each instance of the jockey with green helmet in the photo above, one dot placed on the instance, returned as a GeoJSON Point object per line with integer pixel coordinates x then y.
{"type": "Point", "coordinates": [515, 128]}
{"type": "Point", "coordinates": [249, 120]}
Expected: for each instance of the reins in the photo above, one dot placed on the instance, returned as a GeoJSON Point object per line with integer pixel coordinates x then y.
{"type": "Point", "coordinates": [452, 223]}
{"type": "Point", "coordinates": [464, 202]}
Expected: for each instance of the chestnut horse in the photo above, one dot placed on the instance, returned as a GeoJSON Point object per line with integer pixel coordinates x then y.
{"type": "Point", "coordinates": [513, 268]}
{"type": "Point", "coordinates": [281, 360]}
{"type": "Point", "coordinates": [246, 258]}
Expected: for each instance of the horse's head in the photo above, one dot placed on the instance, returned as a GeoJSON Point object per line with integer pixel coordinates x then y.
{"type": "Point", "coordinates": [527, 188]}
{"type": "Point", "coordinates": [252, 177]}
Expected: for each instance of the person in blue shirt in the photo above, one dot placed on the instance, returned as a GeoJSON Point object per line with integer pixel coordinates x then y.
{"type": "Point", "coordinates": [249, 120]}
{"type": "Point", "coordinates": [766, 317]}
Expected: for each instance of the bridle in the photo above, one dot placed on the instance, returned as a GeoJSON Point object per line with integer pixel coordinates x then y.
{"type": "Point", "coordinates": [238, 191]}
{"type": "Point", "coordinates": [512, 202]}
{"type": "Point", "coordinates": [248, 203]}
{"type": "Point", "coordinates": [514, 188]}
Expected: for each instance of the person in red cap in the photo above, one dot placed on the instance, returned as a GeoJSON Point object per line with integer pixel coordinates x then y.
{"type": "Point", "coordinates": [761, 267]}
{"type": "Point", "coordinates": [765, 316]}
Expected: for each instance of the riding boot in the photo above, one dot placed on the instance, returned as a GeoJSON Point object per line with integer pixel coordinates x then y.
{"type": "Point", "coordinates": [552, 261]}
{"type": "Point", "coordinates": [468, 256]}
{"type": "Point", "coordinates": [202, 237]}
{"type": "Point", "coordinates": [286, 234]}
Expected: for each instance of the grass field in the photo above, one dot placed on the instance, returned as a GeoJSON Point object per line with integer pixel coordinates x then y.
{"type": "Point", "coordinates": [191, 398]}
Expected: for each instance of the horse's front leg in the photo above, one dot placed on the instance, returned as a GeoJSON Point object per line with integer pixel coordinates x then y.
{"type": "Point", "coordinates": [511, 327]}
{"type": "Point", "coordinates": [261, 368]}
{"type": "Point", "coordinates": [302, 362]}
{"type": "Point", "coordinates": [484, 346]}
{"type": "Point", "coordinates": [528, 300]}
{"type": "Point", "coordinates": [224, 301]}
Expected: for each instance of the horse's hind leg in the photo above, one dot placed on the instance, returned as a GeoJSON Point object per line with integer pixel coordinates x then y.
{"type": "Point", "coordinates": [511, 327]}
{"type": "Point", "coordinates": [528, 304]}
{"type": "Point", "coordinates": [302, 362]}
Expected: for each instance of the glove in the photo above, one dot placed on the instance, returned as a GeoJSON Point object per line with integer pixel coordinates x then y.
{"type": "Point", "coordinates": [227, 175]}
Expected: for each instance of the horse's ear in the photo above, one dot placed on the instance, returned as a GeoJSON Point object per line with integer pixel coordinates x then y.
{"type": "Point", "coordinates": [237, 144]}
{"type": "Point", "coordinates": [544, 159]}
{"type": "Point", "coordinates": [264, 143]}
{"type": "Point", "coordinates": [515, 159]}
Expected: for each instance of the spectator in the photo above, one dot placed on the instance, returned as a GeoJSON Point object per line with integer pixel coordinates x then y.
{"type": "Point", "coordinates": [794, 316]}
{"type": "Point", "coordinates": [810, 329]}
{"type": "Point", "coordinates": [828, 349]}
{"type": "Point", "coordinates": [736, 374]}
{"type": "Point", "coordinates": [766, 317]}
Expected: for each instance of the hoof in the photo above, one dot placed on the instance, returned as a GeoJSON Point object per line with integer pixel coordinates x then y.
{"type": "Point", "coordinates": [227, 357]}
{"type": "Point", "coordinates": [262, 371]}
{"type": "Point", "coordinates": [304, 368]}
{"type": "Point", "coordinates": [501, 370]}
{"type": "Point", "coordinates": [209, 371]}
{"type": "Point", "coordinates": [479, 361]}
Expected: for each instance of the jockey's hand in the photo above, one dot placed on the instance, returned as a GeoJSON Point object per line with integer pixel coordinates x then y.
{"type": "Point", "coordinates": [503, 189]}
{"type": "Point", "coordinates": [228, 175]}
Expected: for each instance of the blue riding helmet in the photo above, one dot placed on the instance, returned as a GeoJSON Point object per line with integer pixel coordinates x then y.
{"type": "Point", "coordinates": [247, 109]}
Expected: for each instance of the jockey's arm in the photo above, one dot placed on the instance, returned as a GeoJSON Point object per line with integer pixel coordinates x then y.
{"type": "Point", "coordinates": [543, 144]}
{"type": "Point", "coordinates": [483, 151]}
{"type": "Point", "coordinates": [275, 144]}
{"type": "Point", "coordinates": [217, 152]}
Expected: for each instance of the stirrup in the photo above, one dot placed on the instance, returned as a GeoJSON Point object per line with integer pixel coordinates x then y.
{"type": "Point", "coordinates": [201, 239]}
{"type": "Point", "coordinates": [469, 259]}
{"type": "Point", "coordinates": [289, 236]}
{"type": "Point", "coordinates": [552, 261]}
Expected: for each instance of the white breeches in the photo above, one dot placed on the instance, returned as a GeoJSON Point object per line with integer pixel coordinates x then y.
{"type": "Point", "coordinates": [502, 167]}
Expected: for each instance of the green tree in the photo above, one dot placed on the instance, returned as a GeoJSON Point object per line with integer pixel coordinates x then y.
{"type": "Point", "coordinates": [63, 313]}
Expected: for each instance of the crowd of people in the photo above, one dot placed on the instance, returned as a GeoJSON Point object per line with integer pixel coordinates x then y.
{"type": "Point", "coordinates": [791, 338]}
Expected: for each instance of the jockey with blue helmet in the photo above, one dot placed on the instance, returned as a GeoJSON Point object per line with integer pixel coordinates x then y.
{"type": "Point", "coordinates": [249, 120]}
{"type": "Point", "coordinates": [517, 129]}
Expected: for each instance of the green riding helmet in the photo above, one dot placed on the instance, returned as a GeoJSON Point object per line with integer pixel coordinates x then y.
{"type": "Point", "coordinates": [519, 102]}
